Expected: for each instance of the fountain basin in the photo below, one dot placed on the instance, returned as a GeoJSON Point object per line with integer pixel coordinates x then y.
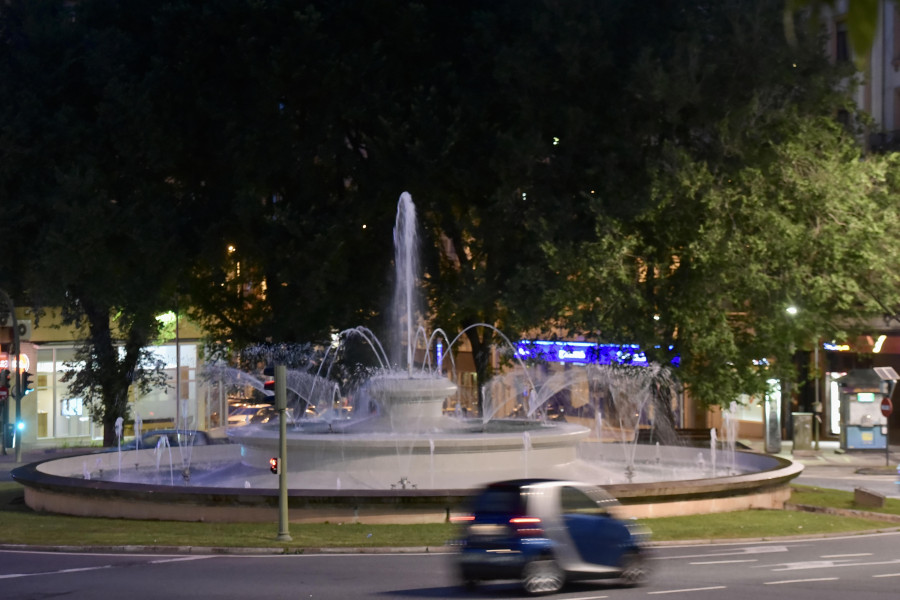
{"type": "Point", "coordinates": [411, 403]}
{"type": "Point", "coordinates": [56, 486]}
{"type": "Point", "coordinates": [443, 458]}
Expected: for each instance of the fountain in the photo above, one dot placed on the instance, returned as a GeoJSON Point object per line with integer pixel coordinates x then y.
{"type": "Point", "coordinates": [398, 457]}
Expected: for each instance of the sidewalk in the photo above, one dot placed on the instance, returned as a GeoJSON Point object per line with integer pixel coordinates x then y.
{"type": "Point", "coordinates": [830, 454]}
{"type": "Point", "coordinates": [33, 455]}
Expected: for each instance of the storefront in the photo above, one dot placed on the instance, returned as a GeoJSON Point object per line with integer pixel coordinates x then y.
{"type": "Point", "coordinates": [51, 417]}
{"type": "Point", "coordinates": [51, 414]}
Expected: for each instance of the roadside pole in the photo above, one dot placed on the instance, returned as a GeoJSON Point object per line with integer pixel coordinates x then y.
{"type": "Point", "coordinates": [886, 409]}
{"type": "Point", "coordinates": [19, 395]}
{"type": "Point", "coordinates": [281, 406]}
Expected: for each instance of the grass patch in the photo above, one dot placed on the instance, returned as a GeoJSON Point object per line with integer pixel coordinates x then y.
{"type": "Point", "coordinates": [755, 524]}
{"type": "Point", "coordinates": [61, 530]}
{"type": "Point", "coordinates": [21, 525]}
{"type": "Point", "coordinates": [816, 496]}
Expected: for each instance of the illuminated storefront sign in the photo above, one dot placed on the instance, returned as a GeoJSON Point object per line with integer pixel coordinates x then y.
{"type": "Point", "coordinates": [5, 362]}
{"type": "Point", "coordinates": [582, 353]}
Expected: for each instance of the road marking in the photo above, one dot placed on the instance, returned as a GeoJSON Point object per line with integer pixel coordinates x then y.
{"type": "Point", "coordinates": [846, 555]}
{"type": "Point", "coordinates": [724, 562]}
{"type": "Point", "coordinates": [735, 552]}
{"type": "Point", "coordinates": [60, 572]}
{"type": "Point", "coordinates": [800, 580]}
{"type": "Point", "coordinates": [828, 564]}
{"type": "Point", "coordinates": [703, 589]}
{"type": "Point", "coordinates": [888, 575]}
{"type": "Point", "coordinates": [179, 559]}
{"type": "Point", "coordinates": [588, 598]}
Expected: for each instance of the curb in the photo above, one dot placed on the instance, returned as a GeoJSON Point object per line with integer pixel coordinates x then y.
{"type": "Point", "coordinates": [216, 550]}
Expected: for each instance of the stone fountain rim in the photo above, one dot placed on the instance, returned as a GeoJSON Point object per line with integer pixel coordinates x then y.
{"type": "Point", "coordinates": [782, 471]}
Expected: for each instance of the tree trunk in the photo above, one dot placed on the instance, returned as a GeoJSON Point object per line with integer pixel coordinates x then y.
{"type": "Point", "coordinates": [481, 355]}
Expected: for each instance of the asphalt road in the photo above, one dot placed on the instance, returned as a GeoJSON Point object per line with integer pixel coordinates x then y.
{"type": "Point", "coordinates": [858, 567]}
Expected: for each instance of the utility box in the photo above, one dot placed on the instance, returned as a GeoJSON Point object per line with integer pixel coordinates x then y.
{"type": "Point", "coordinates": [863, 427]}
{"type": "Point", "coordinates": [803, 423]}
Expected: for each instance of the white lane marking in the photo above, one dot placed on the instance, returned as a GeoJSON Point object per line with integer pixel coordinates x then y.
{"type": "Point", "coordinates": [703, 589]}
{"type": "Point", "coordinates": [724, 562]}
{"type": "Point", "coordinates": [888, 575]}
{"type": "Point", "coordinates": [735, 552]}
{"type": "Point", "coordinates": [100, 567]}
{"type": "Point", "coordinates": [800, 580]}
{"type": "Point", "coordinates": [60, 572]}
{"type": "Point", "coordinates": [588, 598]}
{"type": "Point", "coordinates": [179, 559]}
{"type": "Point", "coordinates": [799, 544]}
{"type": "Point", "coordinates": [828, 564]}
{"type": "Point", "coordinates": [846, 555]}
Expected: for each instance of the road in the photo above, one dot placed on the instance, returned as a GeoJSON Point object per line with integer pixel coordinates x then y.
{"type": "Point", "coordinates": [858, 567]}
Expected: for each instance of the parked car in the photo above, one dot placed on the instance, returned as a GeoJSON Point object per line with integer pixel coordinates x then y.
{"type": "Point", "coordinates": [546, 532]}
{"type": "Point", "coordinates": [241, 415]}
{"type": "Point", "coordinates": [173, 437]}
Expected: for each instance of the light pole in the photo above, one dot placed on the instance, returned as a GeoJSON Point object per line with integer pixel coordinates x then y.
{"type": "Point", "coordinates": [15, 352]}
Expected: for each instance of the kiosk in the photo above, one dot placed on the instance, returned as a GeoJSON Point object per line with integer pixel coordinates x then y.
{"type": "Point", "coordinates": [863, 427]}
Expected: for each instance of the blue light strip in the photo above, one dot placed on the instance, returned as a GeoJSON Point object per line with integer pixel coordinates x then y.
{"type": "Point", "coordinates": [582, 353]}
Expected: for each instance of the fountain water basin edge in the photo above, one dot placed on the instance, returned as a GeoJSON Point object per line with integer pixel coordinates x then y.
{"type": "Point", "coordinates": [52, 486]}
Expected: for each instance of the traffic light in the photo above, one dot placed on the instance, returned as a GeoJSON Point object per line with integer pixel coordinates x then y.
{"type": "Point", "coordinates": [273, 465]}
{"type": "Point", "coordinates": [269, 384]}
{"type": "Point", "coordinates": [27, 383]}
{"type": "Point", "coordinates": [4, 378]}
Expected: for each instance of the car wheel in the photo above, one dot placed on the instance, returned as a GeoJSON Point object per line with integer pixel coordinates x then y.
{"type": "Point", "coordinates": [634, 569]}
{"type": "Point", "coordinates": [542, 576]}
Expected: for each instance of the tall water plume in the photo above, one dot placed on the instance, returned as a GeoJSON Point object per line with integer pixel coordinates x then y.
{"type": "Point", "coordinates": [405, 310]}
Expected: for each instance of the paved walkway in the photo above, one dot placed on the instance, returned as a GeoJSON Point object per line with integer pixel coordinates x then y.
{"type": "Point", "coordinates": [32, 455]}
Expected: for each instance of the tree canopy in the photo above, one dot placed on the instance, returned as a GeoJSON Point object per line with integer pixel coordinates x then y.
{"type": "Point", "coordinates": [672, 177]}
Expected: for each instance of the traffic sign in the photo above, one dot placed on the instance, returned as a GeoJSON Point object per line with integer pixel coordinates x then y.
{"type": "Point", "coordinates": [4, 393]}
{"type": "Point", "coordinates": [887, 407]}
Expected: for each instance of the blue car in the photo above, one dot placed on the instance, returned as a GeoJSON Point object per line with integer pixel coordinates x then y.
{"type": "Point", "coordinates": [546, 532]}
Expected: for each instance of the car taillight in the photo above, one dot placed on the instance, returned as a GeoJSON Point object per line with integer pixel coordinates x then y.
{"type": "Point", "coordinates": [527, 526]}
{"type": "Point", "coordinates": [459, 519]}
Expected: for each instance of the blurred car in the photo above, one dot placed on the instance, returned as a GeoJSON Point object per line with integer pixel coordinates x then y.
{"type": "Point", "coordinates": [269, 413]}
{"type": "Point", "coordinates": [241, 415]}
{"type": "Point", "coordinates": [174, 437]}
{"type": "Point", "coordinates": [546, 532]}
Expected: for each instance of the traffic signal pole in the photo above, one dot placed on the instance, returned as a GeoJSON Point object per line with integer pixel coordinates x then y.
{"type": "Point", "coordinates": [19, 392]}
{"type": "Point", "coordinates": [281, 406]}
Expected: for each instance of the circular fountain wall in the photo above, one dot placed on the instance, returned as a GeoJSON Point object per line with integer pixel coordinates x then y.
{"type": "Point", "coordinates": [371, 470]}
{"type": "Point", "coordinates": [56, 486]}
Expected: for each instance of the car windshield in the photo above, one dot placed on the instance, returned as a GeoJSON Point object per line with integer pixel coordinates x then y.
{"type": "Point", "coordinates": [244, 410]}
{"type": "Point", "coordinates": [498, 500]}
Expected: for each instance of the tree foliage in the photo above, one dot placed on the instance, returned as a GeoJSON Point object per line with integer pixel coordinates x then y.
{"type": "Point", "coordinates": [760, 200]}
{"type": "Point", "coordinates": [671, 176]}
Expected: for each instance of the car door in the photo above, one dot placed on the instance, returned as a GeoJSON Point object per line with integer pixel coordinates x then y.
{"type": "Point", "coordinates": [599, 538]}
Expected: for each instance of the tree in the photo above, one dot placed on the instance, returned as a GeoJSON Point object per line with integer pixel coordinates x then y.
{"type": "Point", "coordinates": [81, 179]}
{"type": "Point", "coordinates": [755, 188]}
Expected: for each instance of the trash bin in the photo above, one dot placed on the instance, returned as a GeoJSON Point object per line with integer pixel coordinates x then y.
{"type": "Point", "coordinates": [803, 425]}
